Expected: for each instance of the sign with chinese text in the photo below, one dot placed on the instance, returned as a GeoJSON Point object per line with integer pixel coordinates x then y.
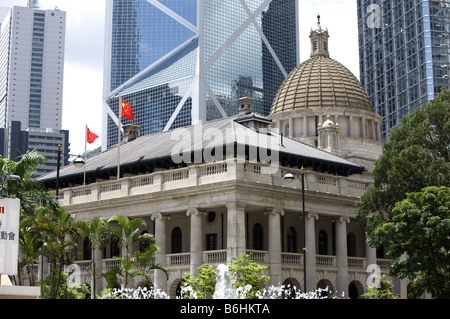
{"type": "Point", "coordinates": [9, 235]}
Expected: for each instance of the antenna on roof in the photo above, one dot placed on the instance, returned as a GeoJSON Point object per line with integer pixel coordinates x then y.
{"type": "Point", "coordinates": [33, 4]}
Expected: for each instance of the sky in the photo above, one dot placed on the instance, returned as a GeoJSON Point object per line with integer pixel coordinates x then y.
{"type": "Point", "coordinates": [83, 67]}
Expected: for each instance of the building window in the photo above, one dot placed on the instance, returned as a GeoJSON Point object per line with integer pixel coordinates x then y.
{"type": "Point", "coordinates": [257, 237]}
{"type": "Point", "coordinates": [291, 240]}
{"type": "Point", "coordinates": [87, 249]}
{"type": "Point", "coordinates": [323, 242]}
{"type": "Point", "coordinates": [351, 245]}
{"type": "Point", "coordinates": [286, 130]}
{"type": "Point", "coordinates": [211, 242]}
{"type": "Point", "coordinates": [176, 240]}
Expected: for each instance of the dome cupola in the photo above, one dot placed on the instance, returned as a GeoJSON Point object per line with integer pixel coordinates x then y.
{"type": "Point", "coordinates": [322, 103]}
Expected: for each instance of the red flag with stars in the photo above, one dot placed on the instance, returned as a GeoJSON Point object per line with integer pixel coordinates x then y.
{"type": "Point", "coordinates": [127, 111]}
{"type": "Point", "coordinates": [90, 137]}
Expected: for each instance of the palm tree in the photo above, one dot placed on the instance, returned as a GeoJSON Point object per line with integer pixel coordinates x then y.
{"type": "Point", "coordinates": [31, 192]}
{"type": "Point", "coordinates": [32, 195]}
{"type": "Point", "coordinates": [134, 264]}
{"type": "Point", "coordinates": [59, 231]}
{"type": "Point", "coordinates": [96, 230]}
{"type": "Point", "coordinates": [31, 247]}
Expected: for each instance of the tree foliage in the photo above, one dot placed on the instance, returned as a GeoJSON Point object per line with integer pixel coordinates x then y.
{"type": "Point", "coordinates": [31, 192]}
{"type": "Point", "coordinates": [247, 272]}
{"type": "Point", "coordinates": [383, 292]}
{"type": "Point", "coordinates": [203, 286]}
{"type": "Point", "coordinates": [416, 155]}
{"type": "Point", "coordinates": [243, 272]}
{"type": "Point", "coordinates": [137, 263]}
{"type": "Point", "coordinates": [420, 228]}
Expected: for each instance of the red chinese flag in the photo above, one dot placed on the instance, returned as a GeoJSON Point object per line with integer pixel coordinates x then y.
{"type": "Point", "coordinates": [91, 137]}
{"type": "Point", "coordinates": [127, 111]}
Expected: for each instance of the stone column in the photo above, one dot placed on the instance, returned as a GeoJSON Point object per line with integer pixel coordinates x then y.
{"type": "Point", "coordinates": [160, 279]}
{"type": "Point", "coordinates": [371, 254]}
{"type": "Point", "coordinates": [274, 216]}
{"type": "Point", "coordinates": [310, 230]}
{"type": "Point", "coordinates": [341, 255]}
{"type": "Point", "coordinates": [196, 239]}
{"type": "Point", "coordinates": [235, 230]}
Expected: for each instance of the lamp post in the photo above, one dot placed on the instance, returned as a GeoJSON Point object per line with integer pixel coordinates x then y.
{"type": "Point", "coordinates": [78, 162]}
{"type": "Point", "coordinates": [289, 178]}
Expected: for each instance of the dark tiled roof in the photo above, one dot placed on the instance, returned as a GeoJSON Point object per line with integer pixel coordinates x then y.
{"type": "Point", "coordinates": [149, 152]}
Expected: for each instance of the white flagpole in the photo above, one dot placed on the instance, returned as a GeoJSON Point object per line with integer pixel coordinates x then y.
{"type": "Point", "coordinates": [85, 147]}
{"type": "Point", "coordinates": [118, 136]}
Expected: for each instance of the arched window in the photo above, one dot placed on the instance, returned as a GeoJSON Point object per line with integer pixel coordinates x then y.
{"type": "Point", "coordinates": [257, 237]}
{"type": "Point", "coordinates": [351, 245]}
{"type": "Point", "coordinates": [87, 249]}
{"type": "Point", "coordinates": [177, 246]}
{"type": "Point", "coordinates": [323, 242]}
{"type": "Point", "coordinates": [291, 240]}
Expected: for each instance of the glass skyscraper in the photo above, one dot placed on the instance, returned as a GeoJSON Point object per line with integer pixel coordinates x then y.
{"type": "Point", "coordinates": [404, 54]}
{"type": "Point", "coordinates": [181, 62]}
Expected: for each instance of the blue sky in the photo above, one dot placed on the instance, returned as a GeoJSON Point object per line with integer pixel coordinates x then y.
{"type": "Point", "coordinates": [83, 69]}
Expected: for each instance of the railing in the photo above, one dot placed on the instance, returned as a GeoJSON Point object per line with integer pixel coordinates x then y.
{"type": "Point", "coordinates": [356, 263]}
{"type": "Point", "coordinates": [213, 169]}
{"type": "Point", "coordinates": [209, 173]}
{"type": "Point", "coordinates": [326, 261]}
{"type": "Point", "coordinates": [215, 256]}
{"type": "Point", "coordinates": [259, 256]}
{"type": "Point", "coordinates": [181, 259]}
{"type": "Point", "coordinates": [292, 259]}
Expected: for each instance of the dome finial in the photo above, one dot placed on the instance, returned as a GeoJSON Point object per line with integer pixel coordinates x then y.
{"type": "Point", "coordinates": [319, 40]}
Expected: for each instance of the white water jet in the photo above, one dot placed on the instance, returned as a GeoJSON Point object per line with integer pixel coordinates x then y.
{"type": "Point", "coordinates": [224, 287]}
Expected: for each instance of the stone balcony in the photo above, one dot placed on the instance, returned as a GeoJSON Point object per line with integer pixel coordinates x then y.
{"type": "Point", "coordinates": [204, 174]}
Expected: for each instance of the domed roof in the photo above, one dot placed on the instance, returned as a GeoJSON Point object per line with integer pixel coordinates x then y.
{"type": "Point", "coordinates": [320, 82]}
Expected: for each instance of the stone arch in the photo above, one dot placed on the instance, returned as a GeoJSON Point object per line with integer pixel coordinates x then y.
{"type": "Point", "coordinates": [174, 290]}
{"type": "Point", "coordinates": [290, 283]}
{"type": "Point", "coordinates": [326, 284]}
{"type": "Point", "coordinates": [355, 289]}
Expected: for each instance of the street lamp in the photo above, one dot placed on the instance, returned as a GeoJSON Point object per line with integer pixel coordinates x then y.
{"type": "Point", "coordinates": [78, 162]}
{"type": "Point", "coordinates": [289, 178]}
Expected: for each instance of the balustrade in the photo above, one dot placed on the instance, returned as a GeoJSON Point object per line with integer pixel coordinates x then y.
{"type": "Point", "coordinates": [208, 173]}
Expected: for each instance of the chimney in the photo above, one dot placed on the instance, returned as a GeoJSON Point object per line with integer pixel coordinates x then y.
{"type": "Point", "coordinates": [130, 132]}
{"type": "Point", "coordinates": [245, 105]}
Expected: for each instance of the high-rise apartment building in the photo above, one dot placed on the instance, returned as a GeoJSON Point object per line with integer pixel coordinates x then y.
{"type": "Point", "coordinates": [32, 44]}
{"type": "Point", "coordinates": [188, 61]}
{"type": "Point", "coordinates": [404, 54]}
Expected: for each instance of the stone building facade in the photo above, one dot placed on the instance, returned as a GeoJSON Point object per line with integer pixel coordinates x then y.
{"type": "Point", "coordinates": [209, 211]}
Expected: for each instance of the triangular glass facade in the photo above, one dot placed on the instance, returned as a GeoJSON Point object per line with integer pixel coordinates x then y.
{"type": "Point", "coordinates": [178, 62]}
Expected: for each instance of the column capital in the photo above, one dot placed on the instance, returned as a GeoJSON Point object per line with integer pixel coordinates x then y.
{"type": "Point", "coordinates": [236, 205]}
{"type": "Point", "coordinates": [195, 211]}
{"type": "Point", "coordinates": [312, 215]}
{"type": "Point", "coordinates": [274, 211]}
{"type": "Point", "coordinates": [342, 219]}
{"type": "Point", "coordinates": [159, 216]}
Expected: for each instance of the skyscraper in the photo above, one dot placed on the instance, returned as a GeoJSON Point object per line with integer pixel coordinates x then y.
{"type": "Point", "coordinates": [32, 44]}
{"type": "Point", "coordinates": [404, 54]}
{"type": "Point", "coordinates": [182, 62]}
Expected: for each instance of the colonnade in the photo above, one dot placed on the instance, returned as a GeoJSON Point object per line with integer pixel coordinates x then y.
{"type": "Point", "coordinates": [235, 243]}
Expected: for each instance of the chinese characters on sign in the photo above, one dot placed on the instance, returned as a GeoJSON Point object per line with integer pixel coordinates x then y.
{"type": "Point", "coordinates": [9, 235]}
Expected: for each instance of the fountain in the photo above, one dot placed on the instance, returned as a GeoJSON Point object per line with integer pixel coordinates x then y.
{"type": "Point", "coordinates": [224, 288]}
